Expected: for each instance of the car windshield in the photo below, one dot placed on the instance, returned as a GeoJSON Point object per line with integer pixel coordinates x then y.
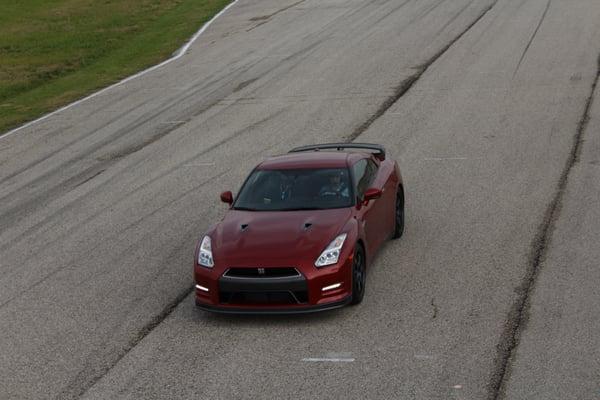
{"type": "Point", "coordinates": [295, 189]}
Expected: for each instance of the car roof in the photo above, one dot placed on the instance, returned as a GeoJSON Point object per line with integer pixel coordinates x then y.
{"type": "Point", "coordinates": [313, 159]}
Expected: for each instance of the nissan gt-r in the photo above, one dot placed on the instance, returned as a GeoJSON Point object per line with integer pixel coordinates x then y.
{"type": "Point", "coordinates": [302, 232]}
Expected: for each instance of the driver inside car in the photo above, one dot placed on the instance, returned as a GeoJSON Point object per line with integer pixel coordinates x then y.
{"type": "Point", "coordinates": [335, 186]}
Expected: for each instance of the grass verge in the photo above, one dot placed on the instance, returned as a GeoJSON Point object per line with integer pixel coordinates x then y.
{"type": "Point", "coordinates": [55, 51]}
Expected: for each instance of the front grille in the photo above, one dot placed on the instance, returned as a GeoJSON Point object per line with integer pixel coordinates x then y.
{"type": "Point", "coordinates": [263, 286]}
{"type": "Point", "coordinates": [269, 272]}
{"type": "Point", "coordinates": [264, 298]}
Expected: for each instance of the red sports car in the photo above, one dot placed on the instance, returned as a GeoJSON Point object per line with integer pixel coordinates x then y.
{"type": "Point", "coordinates": [302, 232]}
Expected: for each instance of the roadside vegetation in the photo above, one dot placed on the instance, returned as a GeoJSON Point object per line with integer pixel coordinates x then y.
{"type": "Point", "coordinates": [55, 51]}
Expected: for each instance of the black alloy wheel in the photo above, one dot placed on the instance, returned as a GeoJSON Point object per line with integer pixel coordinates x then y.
{"type": "Point", "coordinates": [359, 275]}
{"type": "Point", "coordinates": [399, 215]}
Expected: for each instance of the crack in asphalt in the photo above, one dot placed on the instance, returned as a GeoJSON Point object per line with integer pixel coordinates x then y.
{"type": "Point", "coordinates": [519, 312]}
{"type": "Point", "coordinates": [435, 308]}
{"type": "Point", "coordinates": [408, 83]}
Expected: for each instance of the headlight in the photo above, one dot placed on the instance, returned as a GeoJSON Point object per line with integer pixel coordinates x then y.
{"type": "Point", "coordinates": [205, 257]}
{"type": "Point", "coordinates": [332, 253]}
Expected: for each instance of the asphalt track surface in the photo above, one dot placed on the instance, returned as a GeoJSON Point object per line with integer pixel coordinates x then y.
{"type": "Point", "coordinates": [492, 293]}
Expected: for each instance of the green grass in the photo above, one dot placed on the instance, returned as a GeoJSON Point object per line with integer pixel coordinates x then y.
{"type": "Point", "coordinates": [55, 51]}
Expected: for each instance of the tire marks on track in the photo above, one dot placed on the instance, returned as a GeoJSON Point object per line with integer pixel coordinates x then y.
{"type": "Point", "coordinates": [150, 132]}
{"type": "Point", "coordinates": [408, 83]}
{"type": "Point", "coordinates": [89, 376]}
{"type": "Point", "coordinates": [123, 198]}
{"type": "Point", "coordinates": [519, 312]}
{"type": "Point", "coordinates": [266, 18]}
{"type": "Point", "coordinates": [83, 381]}
{"type": "Point", "coordinates": [537, 28]}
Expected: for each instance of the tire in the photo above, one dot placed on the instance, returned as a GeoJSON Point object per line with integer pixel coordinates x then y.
{"type": "Point", "coordinates": [359, 275]}
{"type": "Point", "coordinates": [399, 215]}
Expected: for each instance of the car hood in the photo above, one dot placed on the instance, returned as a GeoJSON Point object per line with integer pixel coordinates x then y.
{"type": "Point", "coordinates": [275, 238]}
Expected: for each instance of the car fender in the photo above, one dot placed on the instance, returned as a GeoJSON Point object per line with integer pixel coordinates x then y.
{"type": "Point", "coordinates": [356, 233]}
{"type": "Point", "coordinates": [397, 174]}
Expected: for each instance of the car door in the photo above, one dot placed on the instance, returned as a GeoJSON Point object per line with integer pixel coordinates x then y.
{"type": "Point", "coordinates": [372, 214]}
{"type": "Point", "coordinates": [380, 214]}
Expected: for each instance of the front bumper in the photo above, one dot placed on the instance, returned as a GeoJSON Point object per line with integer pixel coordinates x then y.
{"type": "Point", "coordinates": [311, 290]}
{"type": "Point", "coordinates": [273, 310]}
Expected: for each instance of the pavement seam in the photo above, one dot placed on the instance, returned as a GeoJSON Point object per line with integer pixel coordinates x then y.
{"type": "Point", "coordinates": [519, 313]}
{"type": "Point", "coordinates": [409, 82]}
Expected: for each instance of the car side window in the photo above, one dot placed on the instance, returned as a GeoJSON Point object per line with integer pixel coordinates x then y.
{"type": "Point", "coordinates": [359, 170]}
{"type": "Point", "coordinates": [364, 172]}
{"type": "Point", "coordinates": [371, 171]}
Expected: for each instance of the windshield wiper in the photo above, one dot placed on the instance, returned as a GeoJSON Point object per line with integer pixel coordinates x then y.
{"type": "Point", "coordinates": [280, 209]}
{"type": "Point", "coordinates": [301, 208]}
{"type": "Point", "coordinates": [245, 209]}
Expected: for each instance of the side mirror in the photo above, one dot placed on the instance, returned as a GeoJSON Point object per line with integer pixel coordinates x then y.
{"type": "Point", "coordinates": [372, 194]}
{"type": "Point", "coordinates": [227, 197]}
